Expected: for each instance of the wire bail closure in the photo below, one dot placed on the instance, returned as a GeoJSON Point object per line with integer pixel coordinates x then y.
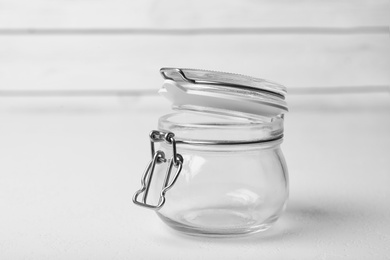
{"type": "Point", "coordinates": [158, 157]}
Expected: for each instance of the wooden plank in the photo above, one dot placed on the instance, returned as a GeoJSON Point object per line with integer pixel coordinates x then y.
{"type": "Point", "coordinates": [191, 14]}
{"type": "Point", "coordinates": [133, 62]}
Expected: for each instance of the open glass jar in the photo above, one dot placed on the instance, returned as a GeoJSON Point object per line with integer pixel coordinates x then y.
{"type": "Point", "coordinates": [219, 169]}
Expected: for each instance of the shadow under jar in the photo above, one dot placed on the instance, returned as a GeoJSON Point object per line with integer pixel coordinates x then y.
{"type": "Point", "coordinates": [218, 169]}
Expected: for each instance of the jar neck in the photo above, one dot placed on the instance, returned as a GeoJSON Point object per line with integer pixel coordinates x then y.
{"type": "Point", "coordinates": [196, 126]}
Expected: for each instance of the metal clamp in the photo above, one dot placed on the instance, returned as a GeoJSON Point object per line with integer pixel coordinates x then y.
{"type": "Point", "coordinates": [158, 158]}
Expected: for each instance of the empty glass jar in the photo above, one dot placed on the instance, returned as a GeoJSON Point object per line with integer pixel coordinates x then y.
{"type": "Point", "coordinates": [218, 169]}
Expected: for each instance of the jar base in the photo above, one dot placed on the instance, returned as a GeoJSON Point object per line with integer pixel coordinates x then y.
{"type": "Point", "coordinates": [217, 223]}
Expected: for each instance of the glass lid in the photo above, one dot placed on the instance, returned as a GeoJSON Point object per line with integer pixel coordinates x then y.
{"type": "Point", "coordinates": [223, 93]}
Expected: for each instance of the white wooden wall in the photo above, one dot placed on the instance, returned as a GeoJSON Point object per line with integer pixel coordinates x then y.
{"type": "Point", "coordinates": [57, 45]}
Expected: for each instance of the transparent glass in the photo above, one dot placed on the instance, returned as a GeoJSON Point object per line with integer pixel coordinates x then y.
{"type": "Point", "coordinates": [223, 189]}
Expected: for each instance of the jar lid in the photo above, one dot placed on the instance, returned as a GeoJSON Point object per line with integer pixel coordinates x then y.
{"type": "Point", "coordinates": [223, 93]}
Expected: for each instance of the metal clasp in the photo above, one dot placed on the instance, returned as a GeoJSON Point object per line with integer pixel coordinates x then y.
{"type": "Point", "coordinates": [158, 158]}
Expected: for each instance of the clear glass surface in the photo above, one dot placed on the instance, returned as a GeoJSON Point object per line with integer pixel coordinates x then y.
{"type": "Point", "coordinates": [223, 190]}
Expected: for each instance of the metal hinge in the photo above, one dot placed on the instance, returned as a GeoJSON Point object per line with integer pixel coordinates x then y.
{"type": "Point", "coordinates": [158, 157]}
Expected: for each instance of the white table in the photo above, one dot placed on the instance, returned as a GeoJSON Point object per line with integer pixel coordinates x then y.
{"type": "Point", "coordinates": [69, 167]}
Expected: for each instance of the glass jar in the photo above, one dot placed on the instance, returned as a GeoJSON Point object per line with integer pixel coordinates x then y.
{"type": "Point", "coordinates": [219, 169]}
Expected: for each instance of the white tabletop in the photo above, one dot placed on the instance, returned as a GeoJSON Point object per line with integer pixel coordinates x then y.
{"type": "Point", "coordinates": [70, 166]}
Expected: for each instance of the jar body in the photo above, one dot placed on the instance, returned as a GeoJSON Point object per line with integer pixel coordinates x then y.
{"type": "Point", "coordinates": [224, 190]}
